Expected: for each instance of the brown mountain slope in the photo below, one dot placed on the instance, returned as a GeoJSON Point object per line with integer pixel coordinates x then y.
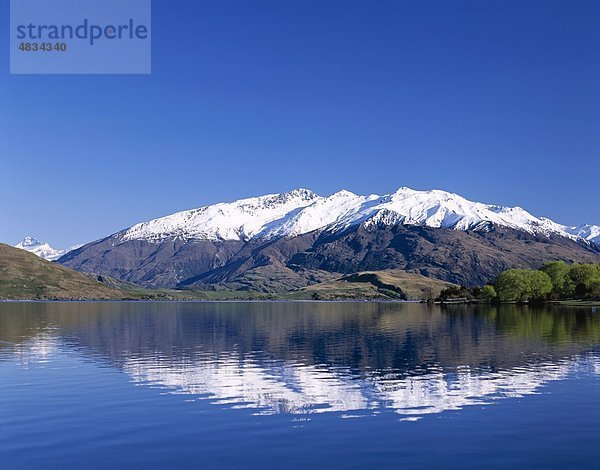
{"type": "Point", "coordinates": [284, 264]}
{"type": "Point", "coordinates": [23, 275]}
{"type": "Point", "coordinates": [469, 257]}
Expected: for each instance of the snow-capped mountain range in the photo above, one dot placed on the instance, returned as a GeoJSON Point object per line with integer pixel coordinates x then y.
{"type": "Point", "coordinates": [302, 211]}
{"type": "Point", "coordinates": [282, 242]}
{"type": "Point", "coordinates": [43, 250]}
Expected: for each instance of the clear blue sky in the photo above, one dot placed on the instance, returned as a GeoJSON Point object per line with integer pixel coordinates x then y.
{"type": "Point", "coordinates": [498, 101]}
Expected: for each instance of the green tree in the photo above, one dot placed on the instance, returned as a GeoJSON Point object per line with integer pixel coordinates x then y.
{"type": "Point", "coordinates": [562, 284]}
{"type": "Point", "coordinates": [539, 285]}
{"type": "Point", "coordinates": [522, 285]}
{"type": "Point", "coordinates": [455, 292]}
{"type": "Point", "coordinates": [488, 292]}
{"type": "Point", "coordinates": [594, 289]}
{"type": "Point", "coordinates": [585, 278]}
{"type": "Point", "coordinates": [511, 285]}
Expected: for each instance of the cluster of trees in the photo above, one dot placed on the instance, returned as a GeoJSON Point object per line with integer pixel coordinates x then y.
{"type": "Point", "coordinates": [487, 292]}
{"type": "Point", "coordinates": [579, 281]}
{"type": "Point", "coordinates": [555, 281]}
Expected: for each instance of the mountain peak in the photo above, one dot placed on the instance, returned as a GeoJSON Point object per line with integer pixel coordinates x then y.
{"type": "Point", "coordinates": [29, 242]}
{"type": "Point", "coordinates": [342, 194]}
{"type": "Point", "coordinates": [238, 220]}
{"type": "Point", "coordinates": [302, 193]}
{"type": "Point", "coordinates": [301, 211]}
{"type": "Point", "coordinates": [43, 250]}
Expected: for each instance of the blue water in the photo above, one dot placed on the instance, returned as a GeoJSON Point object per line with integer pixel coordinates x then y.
{"type": "Point", "coordinates": [295, 385]}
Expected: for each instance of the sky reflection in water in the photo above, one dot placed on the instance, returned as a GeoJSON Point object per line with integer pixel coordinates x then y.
{"type": "Point", "coordinates": [303, 358]}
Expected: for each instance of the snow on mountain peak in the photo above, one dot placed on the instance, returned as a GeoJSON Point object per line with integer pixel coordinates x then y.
{"type": "Point", "coordinates": [43, 250]}
{"type": "Point", "coordinates": [238, 220]}
{"type": "Point", "coordinates": [591, 233]}
{"type": "Point", "coordinates": [300, 193]}
{"type": "Point", "coordinates": [302, 211]}
{"type": "Point", "coordinates": [29, 242]}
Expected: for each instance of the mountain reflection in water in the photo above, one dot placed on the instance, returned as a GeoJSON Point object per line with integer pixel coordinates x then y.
{"type": "Point", "coordinates": [300, 358]}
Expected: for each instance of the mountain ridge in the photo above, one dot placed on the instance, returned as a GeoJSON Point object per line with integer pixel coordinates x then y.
{"type": "Point", "coordinates": [302, 211]}
{"type": "Point", "coordinates": [281, 242]}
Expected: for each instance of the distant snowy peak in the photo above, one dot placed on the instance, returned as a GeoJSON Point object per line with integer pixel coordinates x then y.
{"type": "Point", "coordinates": [43, 250]}
{"type": "Point", "coordinates": [29, 242]}
{"type": "Point", "coordinates": [302, 211]}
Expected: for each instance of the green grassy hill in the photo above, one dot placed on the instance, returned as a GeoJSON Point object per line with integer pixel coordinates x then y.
{"type": "Point", "coordinates": [25, 276]}
{"type": "Point", "coordinates": [374, 285]}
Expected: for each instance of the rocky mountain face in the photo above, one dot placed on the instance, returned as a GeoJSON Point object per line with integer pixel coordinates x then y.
{"type": "Point", "coordinates": [290, 240]}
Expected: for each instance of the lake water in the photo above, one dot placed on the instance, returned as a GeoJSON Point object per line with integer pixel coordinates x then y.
{"type": "Point", "coordinates": [297, 385]}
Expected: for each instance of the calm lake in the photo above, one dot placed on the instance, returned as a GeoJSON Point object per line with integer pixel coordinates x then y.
{"type": "Point", "coordinates": [297, 385]}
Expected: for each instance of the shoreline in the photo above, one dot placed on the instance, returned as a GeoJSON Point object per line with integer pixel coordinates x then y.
{"type": "Point", "coordinates": [564, 303]}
